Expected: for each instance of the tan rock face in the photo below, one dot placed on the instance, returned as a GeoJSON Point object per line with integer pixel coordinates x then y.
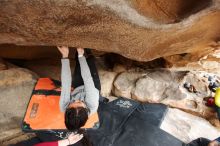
{"type": "Point", "coordinates": [206, 60]}
{"type": "Point", "coordinates": [14, 76]}
{"type": "Point", "coordinates": [135, 29]}
{"type": "Point", "coordinates": [16, 86]}
{"type": "Point", "coordinates": [151, 85]}
{"type": "Point", "coordinates": [106, 79]}
{"type": "Point", "coordinates": [125, 83]}
{"type": "Point", "coordinates": [164, 86]}
{"type": "Point", "coordinates": [3, 65]}
{"type": "Point", "coordinates": [169, 11]}
{"type": "Point", "coordinates": [187, 127]}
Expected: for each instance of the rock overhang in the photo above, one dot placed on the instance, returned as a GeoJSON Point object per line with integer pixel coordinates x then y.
{"type": "Point", "coordinates": [116, 26]}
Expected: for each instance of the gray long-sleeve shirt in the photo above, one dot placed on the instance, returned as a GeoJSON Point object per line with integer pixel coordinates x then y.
{"type": "Point", "coordinates": [86, 93]}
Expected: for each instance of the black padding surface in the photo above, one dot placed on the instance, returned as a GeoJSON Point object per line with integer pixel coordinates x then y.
{"type": "Point", "coordinates": [126, 122]}
{"type": "Point", "coordinates": [139, 127]}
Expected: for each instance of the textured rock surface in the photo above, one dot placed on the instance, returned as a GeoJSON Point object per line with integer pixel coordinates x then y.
{"type": "Point", "coordinates": [203, 60]}
{"type": "Point", "coordinates": [52, 68]}
{"type": "Point", "coordinates": [165, 86]}
{"type": "Point", "coordinates": [152, 85]}
{"type": "Point", "coordinates": [16, 85]}
{"type": "Point", "coordinates": [3, 65]}
{"type": "Point", "coordinates": [46, 67]}
{"type": "Point", "coordinates": [16, 136]}
{"type": "Point", "coordinates": [140, 30]}
{"type": "Point", "coordinates": [124, 84]}
{"type": "Point", "coordinates": [188, 127]}
{"type": "Point", "coordinates": [106, 79]}
{"type": "Point", "coordinates": [169, 11]}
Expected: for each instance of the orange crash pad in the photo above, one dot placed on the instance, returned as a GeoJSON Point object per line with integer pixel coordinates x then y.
{"type": "Point", "coordinates": [43, 111]}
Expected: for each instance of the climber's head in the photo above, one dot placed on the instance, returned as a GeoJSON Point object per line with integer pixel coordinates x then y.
{"type": "Point", "coordinates": [76, 115]}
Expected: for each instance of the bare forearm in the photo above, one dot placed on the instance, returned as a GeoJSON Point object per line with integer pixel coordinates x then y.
{"type": "Point", "coordinates": [64, 142]}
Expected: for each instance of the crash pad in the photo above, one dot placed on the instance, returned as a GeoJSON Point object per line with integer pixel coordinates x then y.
{"type": "Point", "coordinates": [122, 122]}
{"type": "Point", "coordinates": [125, 122]}
{"type": "Point", "coordinates": [43, 111]}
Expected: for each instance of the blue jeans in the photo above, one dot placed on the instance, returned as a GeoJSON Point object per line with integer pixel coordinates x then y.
{"type": "Point", "coordinates": [77, 78]}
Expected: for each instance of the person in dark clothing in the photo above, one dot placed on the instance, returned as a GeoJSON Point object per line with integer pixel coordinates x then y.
{"type": "Point", "coordinates": [81, 103]}
{"type": "Point", "coordinates": [204, 142]}
{"type": "Point", "coordinates": [199, 142]}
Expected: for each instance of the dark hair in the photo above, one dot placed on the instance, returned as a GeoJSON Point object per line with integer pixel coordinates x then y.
{"type": "Point", "coordinates": [75, 118]}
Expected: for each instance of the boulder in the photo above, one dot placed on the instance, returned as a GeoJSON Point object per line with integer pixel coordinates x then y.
{"type": "Point", "coordinates": [141, 30]}
{"type": "Point", "coordinates": [47, 67]}
{"type": "Point", "coordinates": [106, 79]}
{"type": "Point", "coordinates": [16, 86]}
{"type": "Point", "coordinates": [181, 98]}
{"type": "Point", "coordinates": [200, 60]}
{"type": "Point", "coordinates": [148, 89]}
{"type": "Point", "coordinates": [167, 87]}
{"type": "Point", "coordinates": [159, 85]}
{"type": "Point", "coordinates": [124, 84]}
{"type": "Point", "coordinates": [187, 127]}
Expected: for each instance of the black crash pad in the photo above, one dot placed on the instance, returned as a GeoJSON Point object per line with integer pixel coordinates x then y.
{"type": "Point", "coordinates": [140, 127]}
{"type": "Point", "coordinates": [125, 122]}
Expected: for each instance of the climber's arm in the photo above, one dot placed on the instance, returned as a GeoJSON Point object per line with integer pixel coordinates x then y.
{"type": "Point", "coordinates": [66, 79]}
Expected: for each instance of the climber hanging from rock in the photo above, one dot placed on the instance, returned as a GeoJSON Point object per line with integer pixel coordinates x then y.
{"type": "Point", "coordinates": [79, 104]}
{"type": "Point", "coordinates": [83, 101]}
